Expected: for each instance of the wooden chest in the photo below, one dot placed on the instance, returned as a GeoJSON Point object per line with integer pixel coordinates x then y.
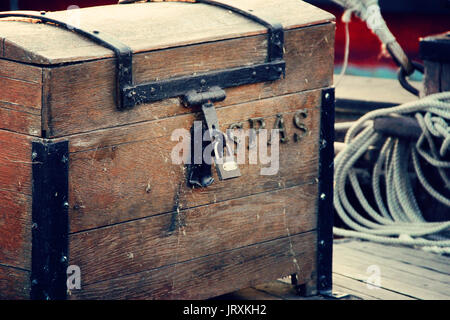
{"type": "Point", "coordinates": [92, 205]}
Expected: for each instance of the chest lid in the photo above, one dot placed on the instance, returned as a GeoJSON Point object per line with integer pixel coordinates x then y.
{"type": "Point", "coordinates": [124, 30]}
{"type": "Point", "coordinates": [146, 27]}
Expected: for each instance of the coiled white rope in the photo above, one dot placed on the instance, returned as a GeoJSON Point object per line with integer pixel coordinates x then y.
{"type": "Point", "coordinates": [397, 219]}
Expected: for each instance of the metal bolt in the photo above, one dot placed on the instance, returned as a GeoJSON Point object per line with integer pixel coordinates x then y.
{"type": "Point", "coordinates": [34, 226]}
{"type": "Point", "coordinates": [64, 259]}
{"type": "Point", "coordinates": [34, 155]}
{"type": "Point", "coordinates": [203, 82]}
{"type": "Point", "coordinates": [66, 205]}
{"type": "Point", "coordinates": [280, 70]}
{"type": "Point", "coordinates": [152, 91]}
{"type": "Point", "coordinates": [322, 243]}
{"type": "Point", "coordinates": [254, 73]}
{"type": "Point", "coordinates": [323, 196]}
{"type": "Point", "coordinates": [64, 159]}
{"type": "Point", "coordinates": [34, 282]}
{"type": "Point", "coordinates": [327, 96]}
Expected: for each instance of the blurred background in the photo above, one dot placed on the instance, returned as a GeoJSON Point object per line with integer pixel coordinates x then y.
{"type": "Point", "coordinates": [408, 20]}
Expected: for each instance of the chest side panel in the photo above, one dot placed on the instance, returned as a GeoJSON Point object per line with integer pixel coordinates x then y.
{"type": "Point", "coordinates": [138, 213]}
{"type": "Point", "coordinates": [15, 215]}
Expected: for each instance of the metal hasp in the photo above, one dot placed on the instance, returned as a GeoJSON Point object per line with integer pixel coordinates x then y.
{"type": "Point", "coordinates": [50, 167]}
{"type": "Point", "coordinates": [130, 95]}
{"type": "Point", "coordinates": [325, 206]}
{"type": "Point", "coordinates": [271, 70]}
{"type": "Point", "coordinates": [227, 168]}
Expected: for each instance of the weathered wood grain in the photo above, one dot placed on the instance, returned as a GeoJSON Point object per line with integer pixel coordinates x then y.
{"type": "Point", "coordinates": [399, 277]}
{"type": "Point", "coordinates": [436, 77]}
{"type": "Point", "coordinates": [137, 230]}
{"type": "Point", "coordinates": [360, 289]}
{"type": "Point", "coordinates": [212, 275]}
{"type": "Point", "coordinates": [147, 26]}
{"type": "Point", "coordinates": [19, 92]}
{"type": "Point", "coordinates": [15, 200]}
{"type": "Point", "coordinates": [20, 71]}
{"type": "Point", "coordinates": [121, 163]}
{"type": "Point", "coordinates": [14, 283]}
{"type": "Point", "coordinates": [432, 77]}
{"type": "Point", "coordinates": [424, 262]}
{"type": "Point", "coordinates": [82, 97]}
{"type": "Point", "coordinates": [188, 234]}
{"type": "Point", "coordinates": [15, 162]}
{"type": "Point", "coordinates": [445, 77]}
{"type": "Point", "coordinates": [20, 98]}
{"type": "Point", "coordinates": [15, 229]}
{"type": "Point", "coordinates": [17, 121]}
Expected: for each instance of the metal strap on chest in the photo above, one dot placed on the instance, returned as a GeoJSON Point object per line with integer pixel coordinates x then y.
{"type": "Point", "coordinates": [130, 95]}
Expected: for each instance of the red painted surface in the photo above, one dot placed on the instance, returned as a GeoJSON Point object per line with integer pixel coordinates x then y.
{"type": "Point", "coordinates": [365, 48]}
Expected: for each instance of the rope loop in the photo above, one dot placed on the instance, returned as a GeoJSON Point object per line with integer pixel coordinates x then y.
{"type": "Point", "coordinates": [391, 214]}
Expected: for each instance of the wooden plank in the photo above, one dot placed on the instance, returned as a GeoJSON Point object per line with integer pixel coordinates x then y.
{"type": "Point", "coordinates": [353, 293]}
{"type": "Point", "coordinates": [360, 289]}
{"type": "Point", "coordinates": [70, 112]}
{"type": "Point", "coordinates": [14, 283]}
{"type": "Point", "coordinates": [432, 77]}
{"type": "Point", "coordinates": [20, 98]}
{"type": "Point", "coordinates": [445, 77]}
{"type": "Point", "coordinates": [14, 91]}
{"type": "Point", "coordinates": [20, 71]}
{"type": "Point", "coordinates": [15, 162]}
{"type": "Point", "coordinates": [212, 275]}
{"type": "Point", "coordinates": [147, 26]}
{"type": "Point", "coordinates": [431, 277]}
{"type": "Point", "coordinates": [122, 162]}
{"type": "Point", "coordinates": [375, 90]}
{"type": "Point", "coordinates": [355, 96]}
{"type": "Point", "coordinates": [188, 234]}
{"type": "Point", "coordinates": [391, 278]}
{"type": "Point", "coordinates": [15, 229]}
{"type": "Point", "coordinates": [414, 257]}
{"type": "Point", "coordinates": [20, 122]}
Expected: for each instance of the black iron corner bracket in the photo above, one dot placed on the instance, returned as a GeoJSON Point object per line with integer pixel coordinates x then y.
{"type": "Point", "coordinates": [50, 168]}
{"type": "Point", "coordinates": [129, 95]}
{"type": "Point", "coordinates": [325, 215]}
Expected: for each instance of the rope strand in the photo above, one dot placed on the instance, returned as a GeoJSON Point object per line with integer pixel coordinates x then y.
{"type": "Point", "coordinates": [397, 219]}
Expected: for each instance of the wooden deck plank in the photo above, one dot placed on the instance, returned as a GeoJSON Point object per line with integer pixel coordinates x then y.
{"type": "Point", "coordinates": [374, 90]}
{"type": "Point", "coordinates": [360, 289]}
{"type": "Point", "coordinates": [426, 260]}
{"type": "Point", "coordinates": [395, 276]}
{"type": "Point", "coordinates": [368, 258]}
{"type": "Point", "coordinates": [406, 274]}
